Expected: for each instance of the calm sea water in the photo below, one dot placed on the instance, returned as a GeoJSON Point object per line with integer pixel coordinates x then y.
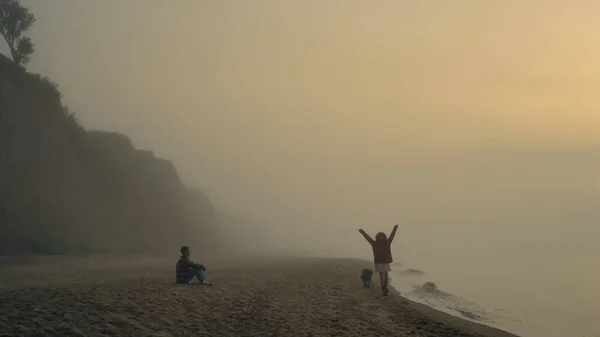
{"type": "Point", "coordinates": [559, 299]}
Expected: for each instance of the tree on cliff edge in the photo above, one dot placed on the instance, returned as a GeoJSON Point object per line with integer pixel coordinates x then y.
{"type": "Point", "coordinates": [14, 20]}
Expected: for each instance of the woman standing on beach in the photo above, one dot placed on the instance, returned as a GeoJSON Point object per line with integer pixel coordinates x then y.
{"type": "Point", "coordinates": [382, 255]}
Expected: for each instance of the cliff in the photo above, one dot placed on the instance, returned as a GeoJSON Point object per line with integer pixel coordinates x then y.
{"type": "Point", "coordinates": [64, 189]}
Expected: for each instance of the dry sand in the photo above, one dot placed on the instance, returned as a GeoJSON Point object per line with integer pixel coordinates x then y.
{"type": "Point", "coordinates": [135, 296]}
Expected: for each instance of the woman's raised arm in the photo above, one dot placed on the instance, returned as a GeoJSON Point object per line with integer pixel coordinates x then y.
{"type": "Point", "coordinates": [393, 233]}
{"type": "Point", "coordinates": [367, 237]}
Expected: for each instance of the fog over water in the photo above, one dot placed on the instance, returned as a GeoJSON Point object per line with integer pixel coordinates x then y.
{"type": "Point", "coordinates": [473, 125]}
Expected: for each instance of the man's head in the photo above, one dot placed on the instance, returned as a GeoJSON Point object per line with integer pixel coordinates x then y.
{"type": "Point", "coordinates": [185, 251]}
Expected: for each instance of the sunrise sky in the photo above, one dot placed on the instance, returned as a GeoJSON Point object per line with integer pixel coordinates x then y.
{"type": "Point", "coordinates": [319, 117]}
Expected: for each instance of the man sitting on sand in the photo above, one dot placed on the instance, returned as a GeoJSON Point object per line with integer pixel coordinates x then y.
{"type": "Point", "coordinates": [186, 269]}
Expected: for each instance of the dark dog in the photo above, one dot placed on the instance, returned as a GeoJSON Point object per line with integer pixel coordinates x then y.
{"type": "Point", "coordinates": [365, 276]}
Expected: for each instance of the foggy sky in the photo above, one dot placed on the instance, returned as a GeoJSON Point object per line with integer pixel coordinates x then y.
{"type": "Point", "coordinates": [473, 124]}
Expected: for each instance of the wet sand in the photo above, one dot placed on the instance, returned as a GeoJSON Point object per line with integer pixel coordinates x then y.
{"type": "Point", "coordinates": [136, 296]}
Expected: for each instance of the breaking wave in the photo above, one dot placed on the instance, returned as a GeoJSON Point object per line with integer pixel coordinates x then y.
{"type": "Point", "coordinates": [414, 285]}
{"type": "Point", "coordinates": [429, 293]}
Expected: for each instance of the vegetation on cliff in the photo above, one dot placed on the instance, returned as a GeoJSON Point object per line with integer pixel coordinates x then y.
{"type": "Point", "coordinates": [65, 189]}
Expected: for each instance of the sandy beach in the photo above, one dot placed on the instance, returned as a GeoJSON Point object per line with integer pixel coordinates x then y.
{"type": "Point", "coordinates": [136, 296]}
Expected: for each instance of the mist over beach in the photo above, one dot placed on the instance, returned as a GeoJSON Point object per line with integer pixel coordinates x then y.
{"type": "Point", "coordinates": [274, 128]}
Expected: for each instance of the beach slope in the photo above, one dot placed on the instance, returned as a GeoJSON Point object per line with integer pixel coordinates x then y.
{"type": "Point", "coordinates": [135, 296]}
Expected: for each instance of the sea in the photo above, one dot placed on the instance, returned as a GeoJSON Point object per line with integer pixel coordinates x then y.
{"type": "Point", "coordinates": [561, 299]}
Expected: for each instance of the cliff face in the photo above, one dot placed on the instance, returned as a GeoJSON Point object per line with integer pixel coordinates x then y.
{"type": "Point", "coordinates": [66, 190]}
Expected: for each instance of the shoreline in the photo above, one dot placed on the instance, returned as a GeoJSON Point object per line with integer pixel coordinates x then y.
{"type": "Point", "coordinates": [427, 307]}
{"type": "Point", "coordinates": [283, 296]}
